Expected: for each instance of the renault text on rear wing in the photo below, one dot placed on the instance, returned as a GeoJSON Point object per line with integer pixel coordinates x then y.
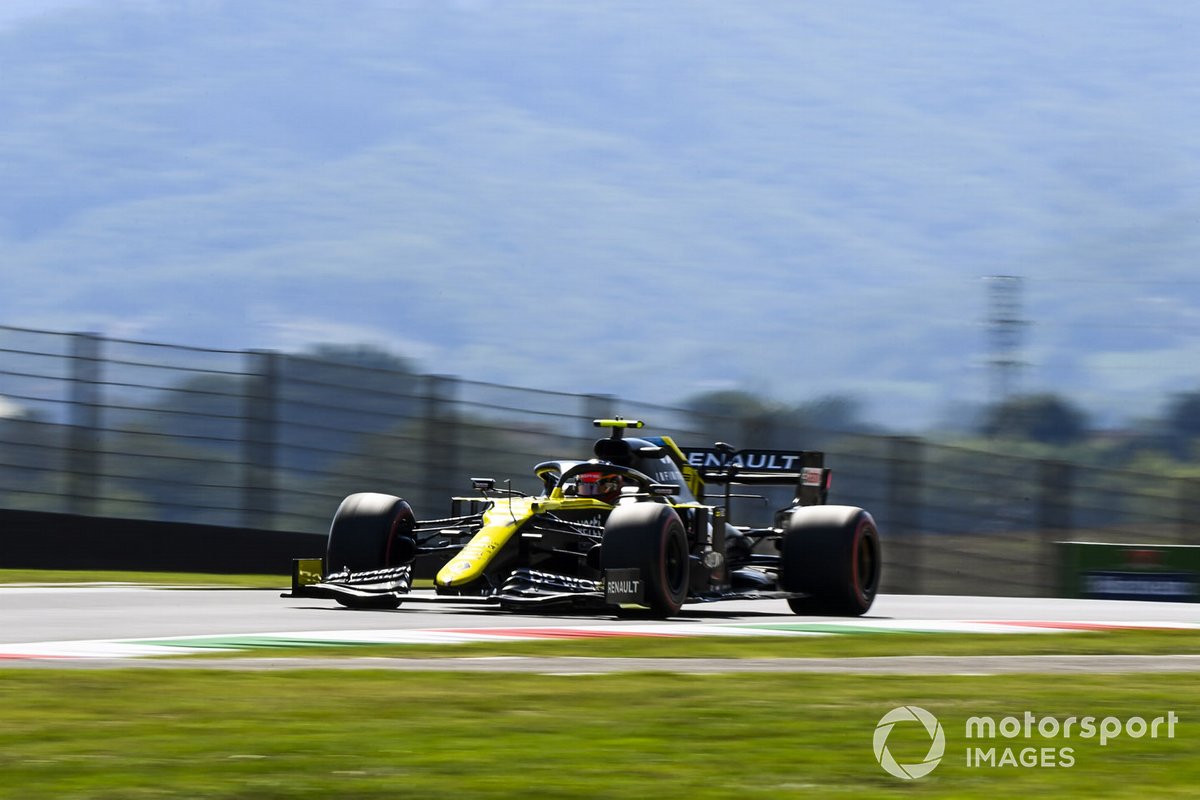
{"type": "Point", "coordinates": [805, 468]}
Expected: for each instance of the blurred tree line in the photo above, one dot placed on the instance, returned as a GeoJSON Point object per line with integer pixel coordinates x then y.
{"type": "Point", "coordinates": [296, 432]}
{"type": "Point", "coordinates": [1170, 439]}
{"type": "Point", "coordinates": [1035, 424]}
{"type": "Point", "coordinates": [1005, 473]}
{"type": "Point", "coordinates": [276, 441]}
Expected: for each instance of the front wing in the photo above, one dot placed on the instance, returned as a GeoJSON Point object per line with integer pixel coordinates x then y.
{"type": "Point", "coordinates": [524, 588]}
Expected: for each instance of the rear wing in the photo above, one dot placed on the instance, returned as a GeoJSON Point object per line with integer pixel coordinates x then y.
{"type": "Point", "coordinates": [724, 466]}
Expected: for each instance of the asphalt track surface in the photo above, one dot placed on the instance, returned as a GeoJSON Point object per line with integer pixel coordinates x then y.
{"type": "Point", "coordinates": [126, 612]}
{"type": "Point", "coordinates": [70, 613]}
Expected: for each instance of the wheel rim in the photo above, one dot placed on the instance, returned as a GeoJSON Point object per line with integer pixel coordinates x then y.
{"type": "Point", "coordinates": [675, 564]}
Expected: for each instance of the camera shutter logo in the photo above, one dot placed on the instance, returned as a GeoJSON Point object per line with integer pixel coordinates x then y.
{"type": "Point", "coordinates": [937, 746]}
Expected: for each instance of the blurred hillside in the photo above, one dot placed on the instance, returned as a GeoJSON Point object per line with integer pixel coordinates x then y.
{"type": "Point", "coordinates": [644, 199]}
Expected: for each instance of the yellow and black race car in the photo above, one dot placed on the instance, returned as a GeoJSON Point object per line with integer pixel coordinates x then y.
{"type": "Point", "coordinates": [635, 526]}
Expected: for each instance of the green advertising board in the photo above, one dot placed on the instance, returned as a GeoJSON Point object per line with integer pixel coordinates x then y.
{"type": "Point", "coordinates": [1163, 572]}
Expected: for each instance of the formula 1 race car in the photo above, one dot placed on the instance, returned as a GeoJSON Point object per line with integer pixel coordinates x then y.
{"type": "Point", "coordinates": [632, 527]}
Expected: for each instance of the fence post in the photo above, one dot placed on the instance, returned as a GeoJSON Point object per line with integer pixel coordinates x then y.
{"type": "Point", "coordinates": [259, 412]}
{"type": "Point", "coordinates": [1189, 510]}
{"type": "Point", "coordinates": [440, 440]}
{"type": "Point", "coordinates": [905, 484]}
{"type": "Point", "coordinates": [1054, 509]}
{"type": "Point", "coordinates": [83, 444]}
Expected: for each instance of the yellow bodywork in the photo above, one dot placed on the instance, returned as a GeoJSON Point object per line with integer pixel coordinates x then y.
{"type": "Point", "coordinates": [506, 516]}
{"type": "Point", "coordinates": [500, 522]}
{"type": "Point", "coordinates": [690, 474]}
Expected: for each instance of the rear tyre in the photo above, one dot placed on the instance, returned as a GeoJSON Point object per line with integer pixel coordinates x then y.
{"type": "Point", "coordinates": [370, 531]}
{"type": "Point", "coordinates": [833, 555]}
{"type": "Point", "coordinates": [651, 538]}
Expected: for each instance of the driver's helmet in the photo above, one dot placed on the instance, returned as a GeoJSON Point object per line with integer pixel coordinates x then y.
{"type": "Point", "coordinates": [603, 486]}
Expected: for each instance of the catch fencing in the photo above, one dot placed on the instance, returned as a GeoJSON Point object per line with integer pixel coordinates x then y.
{"type": "Point", "coordinates": [262, 440]}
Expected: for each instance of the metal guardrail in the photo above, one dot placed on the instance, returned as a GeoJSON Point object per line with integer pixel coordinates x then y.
{"type": "Point", "coordinates": [273, 441]}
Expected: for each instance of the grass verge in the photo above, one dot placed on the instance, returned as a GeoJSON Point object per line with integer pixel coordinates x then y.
{"type": "Point", "coordinates": [217, 734]}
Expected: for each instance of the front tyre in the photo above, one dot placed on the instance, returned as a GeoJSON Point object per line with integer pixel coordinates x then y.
{"type": "Point", "coordinates": [651, 538]}
{"type": "Point", "coordinates": [833, 555]}
{"type": "Point", "coordinates": [370, 532]}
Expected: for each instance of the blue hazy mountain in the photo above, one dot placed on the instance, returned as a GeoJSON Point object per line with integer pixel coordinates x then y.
{"type": "Point", "coordinates": [644, 199]}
